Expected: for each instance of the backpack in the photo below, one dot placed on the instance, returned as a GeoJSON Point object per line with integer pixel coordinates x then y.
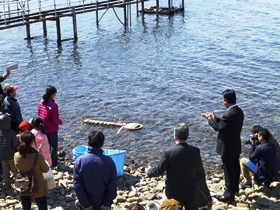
{"type": "Point", "coordinates": [25, 183]}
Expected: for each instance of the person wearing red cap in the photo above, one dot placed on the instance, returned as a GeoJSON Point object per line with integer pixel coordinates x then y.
{"type": "Point", "coordinates": [12, 109]}
{"type": "Point", "coordinates": [24, 126]}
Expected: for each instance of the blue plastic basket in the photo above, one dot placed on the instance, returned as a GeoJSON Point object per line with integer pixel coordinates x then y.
{"type": "Point", "coordinates": [118, 158]}
{"type": "Point", "coordinates": [79, 150]}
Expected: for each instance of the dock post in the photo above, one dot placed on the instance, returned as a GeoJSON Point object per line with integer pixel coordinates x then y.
{"type": "Point", "coordinates": [169, 7]}
{"type": "Point", "coordinates": [74, 24]}
{"type": "Point", "coordinates": [96, 14]}
{"type": "Point", "coordinates": [125, 13]}
{"type": "Point", "coordinates": [137, 8]}
{"type": "Point", "coordinates": [44, 27]}
{"type": "Point", "coordinates": [28, 35]}
{"type": "Point", "coordinates": [157, 7]}
{"type": "Point", "coordinates": [143, 10]}
{"type": "Point", "coordinates": [58, 30]}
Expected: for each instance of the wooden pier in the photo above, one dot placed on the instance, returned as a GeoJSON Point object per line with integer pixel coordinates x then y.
{"type": "Point", "coordinates": [15, 13]}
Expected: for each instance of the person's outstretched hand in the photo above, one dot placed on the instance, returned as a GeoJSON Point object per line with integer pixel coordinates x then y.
{"type": "Point", "coordinates": [209, 115]}
{"type": "Point", "coordinates": [6, 73]}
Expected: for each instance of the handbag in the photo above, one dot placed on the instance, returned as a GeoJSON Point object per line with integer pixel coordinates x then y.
{"type": "Point", "coordinates": [25, 182]}
{"type": "Point", "coordinates": [49, 179]}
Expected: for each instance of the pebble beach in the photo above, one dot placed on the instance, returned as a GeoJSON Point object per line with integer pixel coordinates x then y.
{"type": "Point", "coordinates": [135, 187]}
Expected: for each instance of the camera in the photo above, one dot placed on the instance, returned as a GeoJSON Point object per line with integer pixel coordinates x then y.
{"type": "Point", "coordinates": [254, 138]}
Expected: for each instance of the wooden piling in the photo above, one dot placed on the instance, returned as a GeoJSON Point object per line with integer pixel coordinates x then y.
{"type": "Point", "coordinates": [125, 13]}
{"type": "Point", "coordinates": [45, 33]}
{"type": "Point", "coordinates": [96, 13]}
{"type": "Point", "coordinates": [58, 31]}
{"type": "Point", "coordinates": [143, 9]}
{"type": "Point", "coordinates": [75, 32]}
{"type": "Point", "coordinates": [28, 35]}
{"type": "Point", "coordinates": [157, 7]}
{"type": "Point", "coordinates": [137, 10]}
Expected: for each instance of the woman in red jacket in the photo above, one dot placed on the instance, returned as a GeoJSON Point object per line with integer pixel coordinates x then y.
{"type": "Point", "coordinates": [48, 111]}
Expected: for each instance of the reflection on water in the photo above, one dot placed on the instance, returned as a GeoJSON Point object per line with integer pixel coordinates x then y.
{"type": "Point", "coordinates": [158, 73]}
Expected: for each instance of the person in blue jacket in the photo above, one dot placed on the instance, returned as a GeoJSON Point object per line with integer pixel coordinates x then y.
{"type": "Point", "coordinates": [95, 176]}
{"type": "Point", "coordinates": [263, 160]}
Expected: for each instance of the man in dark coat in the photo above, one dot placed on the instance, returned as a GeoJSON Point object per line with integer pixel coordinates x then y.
{"type": "Point", "coordinates": [95, 176]}
{"type": "Point", "coordinates": [228, 143]}
{"type": "Point", "coordinates": [182, 164]}
{"type": "Point", "coordinates": [12, 109]}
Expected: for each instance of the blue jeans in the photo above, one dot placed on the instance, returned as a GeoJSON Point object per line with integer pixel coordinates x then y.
{"type": "Point", "coordinates": [41, 202]}
{"type": "Point", "coordinates": [53, 142]}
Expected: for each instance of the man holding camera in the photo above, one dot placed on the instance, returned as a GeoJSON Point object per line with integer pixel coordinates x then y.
{"type": "Point", "coordinates": [262, 160]}
{"type": "Point", "coordinates": [228, 143]}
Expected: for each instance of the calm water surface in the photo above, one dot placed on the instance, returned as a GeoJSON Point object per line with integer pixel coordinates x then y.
{"type": "Point", "coordinates": [156, 73]}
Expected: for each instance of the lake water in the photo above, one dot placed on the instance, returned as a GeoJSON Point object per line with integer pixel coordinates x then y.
{"type": "Point", "coordinates": [158, 73]}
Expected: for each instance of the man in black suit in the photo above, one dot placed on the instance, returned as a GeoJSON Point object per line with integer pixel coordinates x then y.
{"type": "Point", "coordinates": [183, 164]}
{"type": "Point", "coordinates": [228, 143]}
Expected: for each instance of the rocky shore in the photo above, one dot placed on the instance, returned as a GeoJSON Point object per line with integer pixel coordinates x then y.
{"type": "Point", "coordinates": [135, 186]}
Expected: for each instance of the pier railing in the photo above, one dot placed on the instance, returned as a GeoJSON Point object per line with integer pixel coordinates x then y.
{"type": "Point", "coordinates": [15, 13]}
{"type": "Point", "coordinates": [18, 12]}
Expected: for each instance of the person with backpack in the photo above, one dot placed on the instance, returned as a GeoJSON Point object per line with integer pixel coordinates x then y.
{"type": "Point", "coordinates": [24, 161]}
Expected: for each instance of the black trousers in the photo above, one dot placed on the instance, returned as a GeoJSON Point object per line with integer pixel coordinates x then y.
{"type": "Point", "coordinates": [232, 175]}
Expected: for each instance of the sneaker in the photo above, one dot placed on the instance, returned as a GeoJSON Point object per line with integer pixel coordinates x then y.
{"type": "Point", "coordinates": [245, 185]}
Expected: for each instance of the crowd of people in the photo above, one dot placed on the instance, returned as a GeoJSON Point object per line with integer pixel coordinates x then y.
{"type": "Point", "coordinates": [28, 145]}
{"type": "Point", "coordinates": [182, 163]}
{"type": "Point", "coordinates": [23, 143]}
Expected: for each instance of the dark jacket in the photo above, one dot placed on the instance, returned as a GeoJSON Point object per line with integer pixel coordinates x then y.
{"type": "Point", "coordinates": [12, 109]}
{"type": "Point", "coordinates": [95, 179]}
{"type": "Point", "coordinates": [8, 141]}
{"type": "Point", "coordinates": [182, 164]}
{"type": "Point", "coordinates": [229, 130]}
{"type": "Point", "coordinates": [264, 156]}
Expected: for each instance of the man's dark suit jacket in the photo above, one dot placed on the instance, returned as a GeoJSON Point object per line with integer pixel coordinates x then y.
{"type": "Point", "coordinates": [182, 164]}
{"type": "Point", "coordinates": [229, 129]}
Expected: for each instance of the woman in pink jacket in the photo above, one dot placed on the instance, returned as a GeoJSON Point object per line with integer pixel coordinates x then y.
{"type": "Point", "coordinates": [48, 111]}
{"type": "Point", "coordinates": [41, 143]}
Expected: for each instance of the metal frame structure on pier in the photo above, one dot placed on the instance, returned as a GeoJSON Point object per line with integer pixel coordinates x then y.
{"type": "Point", "coordinates": [34, 11]}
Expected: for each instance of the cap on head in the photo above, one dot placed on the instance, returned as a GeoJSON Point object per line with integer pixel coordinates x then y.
{"type": "Point", "coordinates": [24, 125]}
{"type": "Point", "coordinates": [11, 89]}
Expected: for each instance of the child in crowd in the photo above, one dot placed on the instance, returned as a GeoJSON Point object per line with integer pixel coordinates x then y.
{"type": "Point", "coordinates": [8, 145]}
{"type": "Point", "coordinates": [41, 143]}
{"type": "Point", "coordinates": [24, 126]}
